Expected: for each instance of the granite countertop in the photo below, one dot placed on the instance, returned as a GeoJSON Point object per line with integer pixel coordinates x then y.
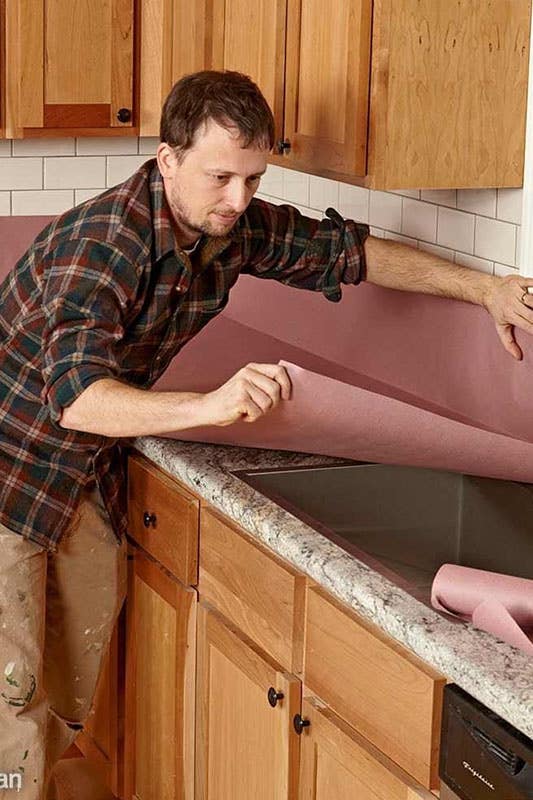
{"type": "Point", "coordinates": [495, 673]}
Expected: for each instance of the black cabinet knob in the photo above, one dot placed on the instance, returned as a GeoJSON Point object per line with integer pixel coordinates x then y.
{"type": "Point", "coordinates": [124, 114]}
{"type": "Point", "coordinates": [149, 519]}
{"type": "Point", "coordinates": [283, 146]}
{"type": "Point", "coordinates": [300, 723]}
{"type": "Point", "coordinates": [274, 696]}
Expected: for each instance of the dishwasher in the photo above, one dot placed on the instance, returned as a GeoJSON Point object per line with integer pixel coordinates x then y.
{"type": "Point", "coordinates": [481, 756]}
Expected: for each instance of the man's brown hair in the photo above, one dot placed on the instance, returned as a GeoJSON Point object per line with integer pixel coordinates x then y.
{"type": "Point", "coordinates": [229, 98]}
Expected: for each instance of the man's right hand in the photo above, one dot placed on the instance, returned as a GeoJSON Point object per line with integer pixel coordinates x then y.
{"type": "Point", "coordinates": [252, 392]}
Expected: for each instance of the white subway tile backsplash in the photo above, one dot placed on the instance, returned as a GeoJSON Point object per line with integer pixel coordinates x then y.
{"type": "Point", "coordinates": [518, 254]}
{"type": "Point", "coordinates": [323, 193]}
{"type": "Point", "coordinates": [309, 212]}
{"type": "Point", "coordinates": [354, 202]}
{"type": "Point", "coordinates": [419, 220]}
{"type": "Point", "coordinates": [148, 144]}
{"type": "Point", "coordinates": [43, 202]}
{"type": "Point", "coordinates": [415, 193]}
{"type": "Point", "coordinates": [472, 262]}
{"type": "Point", "coordinates": [21, 173]}
{"type": "Point", "coordinates": [83, 172]}
{"type": "Point", "coordinates": [495, 240]}
{"type": "Point", "coordinates": [478, 201]}
{"type": "Point", "coordinates": [272, 181]}
{"type": "Point", "coordinates": [5, 204]}
{"type": "Point", "coordinates": [509, 205]}
{"type": "Point", "coordinates": [106, 146]}
{"type": "Point", "coordinates": [81, 195]}
{"type": "Point", "coordinates": [397, 237]}
{"type": "Point", "coordinates": [120, 168]}
{"type": "Point", "coordinates": [296, 187]}
{"type": "Point", "coordinates": [386, 211]}
{"type": "Point", "coordinates": [43, 147]}
{"type": "Point", "coordinates": [437, 250]}
{"type": "Point", "coordinates": [479, 229]}
{"type": "Point", "coordinates": [442, 197]}
{"type": "Point", "coordinates": [455, 229]}
{"type": "Point", "coordinates": [502, 270]}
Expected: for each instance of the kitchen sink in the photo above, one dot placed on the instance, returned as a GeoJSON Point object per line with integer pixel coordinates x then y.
{"type": "Point", "coordinates": [405, 522]}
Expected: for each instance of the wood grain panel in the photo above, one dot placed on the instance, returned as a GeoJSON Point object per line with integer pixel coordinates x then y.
{"type": "Point", "coordinates": [122, 16]}
{"type": "Point", "coordinates": [245, 748]}
{"type": "Point", "coordinates": [79, 72]}
{"type": "Point", "coordinates": [24, 65]}
{"type": "Point", "coordinates": [327, 84]}
{"type": "Point", "coordinates": [173, 540]}
{"type": "Point", "coordinates": [389, 695]}
{"type": "Point", "coordinates": [253, 589]}
{"type": "Point", "coordinates": [338, 763]}
{"type": "Point", "coordinates": [76, 115]}
{"type": "Point", "coordinates": [448, 102]}
{"type": "Point", "coordinates": [155, 62]}
{"type": "Point", "coordinates": [254, 43]}
{"type": "Point", "coordinates": [160, 685]}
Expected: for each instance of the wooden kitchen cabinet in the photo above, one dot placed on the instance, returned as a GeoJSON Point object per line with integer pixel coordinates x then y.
{"type": "Point", "coordinates": [335, 762]}
{"type": "Point", "coordinates": [163, 518]}
{"type": "Point", "coordinates": [69, 67]}
{"type": "Point", "coordinates": [261, 594]}
{"type": "Point", "coordinates": [387, 94]}
{"type": "Point", "coordinates": [353, 666]}
{"type": "Point", "coordinates": [160, 684]}
{"type": "Point", "coordinates": [261, 628]}
{"type": "Point", "coordinates": [246, 747]}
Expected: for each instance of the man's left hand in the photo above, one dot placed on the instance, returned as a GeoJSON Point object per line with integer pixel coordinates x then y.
{"type": "Point", "coordinates": [511, 306]}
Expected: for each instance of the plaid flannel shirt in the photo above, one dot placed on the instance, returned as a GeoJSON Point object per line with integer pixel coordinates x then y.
{"type": "Point", "coordinates": [105, 292]}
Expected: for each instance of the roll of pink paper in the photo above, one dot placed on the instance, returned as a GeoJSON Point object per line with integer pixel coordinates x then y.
{"type": "Point", "coordinates": [499, 604]}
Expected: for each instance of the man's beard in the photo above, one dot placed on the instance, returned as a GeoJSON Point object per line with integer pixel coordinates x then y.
{"type": "Point", "coordinates": [183, 220]}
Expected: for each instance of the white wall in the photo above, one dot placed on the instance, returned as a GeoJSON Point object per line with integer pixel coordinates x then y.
{"type": "Point", "coordinates": [476, 228]}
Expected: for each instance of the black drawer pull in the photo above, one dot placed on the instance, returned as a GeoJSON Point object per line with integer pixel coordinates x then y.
{"type": "Point", "coordinates": [149, 519]}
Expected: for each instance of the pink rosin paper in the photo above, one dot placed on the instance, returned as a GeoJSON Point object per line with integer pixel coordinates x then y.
{"type": "Point", "coordinates": [499, 604]}
{"type": "Point", "coordinates": [331, 417]}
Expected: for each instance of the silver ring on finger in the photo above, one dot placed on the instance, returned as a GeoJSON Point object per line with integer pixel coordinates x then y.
{"type": "Point", "coordinates": [523, 298]}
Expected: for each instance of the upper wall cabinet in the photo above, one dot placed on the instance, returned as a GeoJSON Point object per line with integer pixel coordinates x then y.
{"type": "Point", "coordinates": [390, 94]}
{"type": "Point", "coordinates": [69, 67]}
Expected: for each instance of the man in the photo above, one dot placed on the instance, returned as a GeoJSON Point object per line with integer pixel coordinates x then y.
{"type": "Point", "coordinates": [89, 319]}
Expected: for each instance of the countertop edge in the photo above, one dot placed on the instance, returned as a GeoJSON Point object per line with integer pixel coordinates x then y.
{"type": "Point", "coordinates": [495, 673]}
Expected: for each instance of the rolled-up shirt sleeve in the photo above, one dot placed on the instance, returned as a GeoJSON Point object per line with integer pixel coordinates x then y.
{"type": "Point", "coordinates": [86, 289]}
{"type": "Point", "coordinates": [320, 255]}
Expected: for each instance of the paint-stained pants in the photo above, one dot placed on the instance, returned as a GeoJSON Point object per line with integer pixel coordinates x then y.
{"type": "Point", "coordinates": [57, 613]}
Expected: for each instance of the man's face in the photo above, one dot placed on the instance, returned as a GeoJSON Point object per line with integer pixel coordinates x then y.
{"type": "Point", "coordinates": [213, 184]}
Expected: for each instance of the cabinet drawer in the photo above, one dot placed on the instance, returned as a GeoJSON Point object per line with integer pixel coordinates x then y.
{"type": "Point", "coordinates": [385, 692]}
{"type": "Point", "coordinates": [253, 589]}
{"type": "Point", "coordinates": [163, 519]}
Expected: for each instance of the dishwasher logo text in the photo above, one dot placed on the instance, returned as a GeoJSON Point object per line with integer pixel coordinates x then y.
{"type": "Point", "coordinates": [477, 775]}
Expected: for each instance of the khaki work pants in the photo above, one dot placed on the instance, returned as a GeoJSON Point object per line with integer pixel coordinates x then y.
{"type": "Point", "coordinates": [57, 614]}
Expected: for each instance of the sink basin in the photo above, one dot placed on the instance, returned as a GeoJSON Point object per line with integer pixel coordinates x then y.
{"type": "Point", "coordinates": [406, 522]}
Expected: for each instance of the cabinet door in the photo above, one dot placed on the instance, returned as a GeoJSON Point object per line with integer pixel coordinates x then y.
{"type": "Point", "coordinates": [449, 86]}
{"type": "Point", "coordinates": [160, 665]}
{"type": "Point", "coordinates": [337, 763]}
{"type": "Point", "coordinates": [327, 84]}
{"type": "Point", "coordinates": [69, 67]}
{"type": "Point", "coordinates": [179, 38]}
{"type": "Point", "coordinates": [245, 747]}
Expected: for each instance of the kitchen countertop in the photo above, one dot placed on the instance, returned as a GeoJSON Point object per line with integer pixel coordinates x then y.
{"type": "Point", "coordinates": [495, 673]}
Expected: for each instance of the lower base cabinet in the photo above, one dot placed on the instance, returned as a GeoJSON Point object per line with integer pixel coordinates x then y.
{"type": "Point", "coordinates": [246, 745]}
{"type": "Point", "coordinates": [160, 680]}
{"type": "Point", "coordinates": [336, 762]}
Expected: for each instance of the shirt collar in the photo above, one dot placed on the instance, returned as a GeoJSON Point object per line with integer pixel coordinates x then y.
{"type": "Point", "coordinates": [164, 237]}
